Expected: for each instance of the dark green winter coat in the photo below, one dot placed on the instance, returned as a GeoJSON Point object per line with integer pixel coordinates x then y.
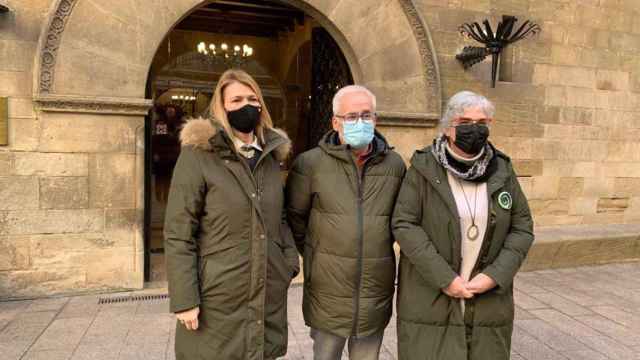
{"type": "Point", "coordinates": [341, 219]}
{"type": "Point", "coordinates": [227, 248]}
{"type": "Point", "coordinates": [426, 224]}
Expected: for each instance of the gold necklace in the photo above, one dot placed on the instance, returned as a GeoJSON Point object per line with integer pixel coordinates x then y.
{"type": "Point", "coordinates": [472, 231]}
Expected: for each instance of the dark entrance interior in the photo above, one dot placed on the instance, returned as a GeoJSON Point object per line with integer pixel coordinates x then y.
{"type": "Point", "coordinates": [296, 62]}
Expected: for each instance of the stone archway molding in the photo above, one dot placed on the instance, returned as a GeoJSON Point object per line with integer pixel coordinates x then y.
{"type": "Point", "coordinates": [431, 72]}
{"type": "Point", "coordinates": [49, 44]}
{"type": "Point", "coordinates": [50, 95]}
{"type": "Point", "coordinates": [93, 105]}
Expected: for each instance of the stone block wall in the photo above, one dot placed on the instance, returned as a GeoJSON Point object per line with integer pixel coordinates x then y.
{"type": "Point", "coordinates": [71, 184]}
{"type": "Point", "coordinates": [567, 113]}
{"type": "Point", "coordinates": [68, 183]}
{"type": "Point", "coordinates": [68, 209]}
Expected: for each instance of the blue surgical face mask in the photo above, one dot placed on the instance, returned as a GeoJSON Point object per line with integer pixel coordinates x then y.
{"type": "Point", "coordinates": [358, 134]}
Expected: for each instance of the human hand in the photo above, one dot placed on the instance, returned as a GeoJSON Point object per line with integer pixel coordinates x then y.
{"type": "Point", "coordinates": [481, 283]}
{"type": "Point", "coordinates": [189, 318]}
{"type": "Point", "coordinates": [458, 289]}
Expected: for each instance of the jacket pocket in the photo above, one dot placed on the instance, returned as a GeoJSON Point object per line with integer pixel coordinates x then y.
{"type": "Point", "coordinates": [378, 277]}
{"type": "Point", "coordinates": [278, 262]}
{"type": "Point", "coordinates": [287, 243]}
{"type": "Point", "coordinates": [224, 276]}
{"type": "Point", "coordinates": [201, 264]}
{"type": "Point", "coordinates": [452, 235]}
{"type": "Point", "coordinates": [308, 262]}
{"type": "Point", "coordinates": [215, 236]}
{"type": "Point", "coordinates": [278, 280]}
{"type": "Point", "coordinates": [494, 308]}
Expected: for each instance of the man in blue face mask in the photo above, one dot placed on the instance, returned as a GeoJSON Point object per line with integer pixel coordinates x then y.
{"type": "Point", "coordinates": [340, 196]}
{"type": "Point", "coordinates": [354, 120]}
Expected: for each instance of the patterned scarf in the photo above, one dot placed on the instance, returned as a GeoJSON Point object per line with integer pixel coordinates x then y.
{"type": "Point", "coordinates": [475, 171]}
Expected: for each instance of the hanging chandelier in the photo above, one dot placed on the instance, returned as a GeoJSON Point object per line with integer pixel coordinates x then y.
{"type": "Point", "coordinates": [183, 98]}
{"type": "Point", "coordinates": [226, 55]}
{"type": "Point", "coordinates": [184, 101]}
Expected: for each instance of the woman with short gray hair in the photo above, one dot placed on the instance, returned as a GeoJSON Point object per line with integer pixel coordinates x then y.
{"type": "Point", "coordinates": [464, 228]}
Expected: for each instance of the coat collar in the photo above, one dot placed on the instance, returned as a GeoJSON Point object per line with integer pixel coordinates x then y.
{"type": "Point", "coordinates": [330, 143]}
{"type": "Point", "coordinates": [208, 135]}
{"type": "Point", "coordinates": [426, 164]}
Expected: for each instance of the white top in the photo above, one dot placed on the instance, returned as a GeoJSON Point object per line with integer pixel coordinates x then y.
{"type": "Point", "coordinates": [239, 144]}
{"type": "Point", "coordinates": [470, 248]}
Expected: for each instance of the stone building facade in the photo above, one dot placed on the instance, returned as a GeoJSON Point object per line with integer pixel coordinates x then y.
{"type": "Point", "coordinates": [75, 75]}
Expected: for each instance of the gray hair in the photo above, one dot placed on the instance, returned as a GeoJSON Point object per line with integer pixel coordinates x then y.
{"type": "Point", "coordinates": [462, 101]}
{"type": "Point", "coordinates": [350, 89]}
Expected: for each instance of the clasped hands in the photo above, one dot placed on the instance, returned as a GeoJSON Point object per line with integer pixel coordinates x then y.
{"type": "Point", "coordinates": [461, 289]}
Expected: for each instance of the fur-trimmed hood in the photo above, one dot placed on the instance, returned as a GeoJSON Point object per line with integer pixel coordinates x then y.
{"type": "Point", "coordinates": [198, 133]}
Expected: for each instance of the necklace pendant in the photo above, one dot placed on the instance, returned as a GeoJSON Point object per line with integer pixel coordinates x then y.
{"type": "Point", "coordinates": [473, 232]}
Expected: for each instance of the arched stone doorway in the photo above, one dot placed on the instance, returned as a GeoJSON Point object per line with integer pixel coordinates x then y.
{"type": "Point", "coordinates": [386, 43]}
{"type": "Point", "coordinates": [96, 73]}
{"type": "Point", "coordinates": [178, 71]}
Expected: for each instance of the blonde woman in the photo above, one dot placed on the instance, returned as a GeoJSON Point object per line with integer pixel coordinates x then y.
{"type": "Point", "coordinates": [230, 258]}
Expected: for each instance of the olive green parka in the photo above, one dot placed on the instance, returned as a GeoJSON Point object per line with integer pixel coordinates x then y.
{"type": "Point", "coordinates": [426, 224]}
{"type": "Point", "coordinates": [227, 248]}
{"type": "Point", "coordinates": [340, 216]}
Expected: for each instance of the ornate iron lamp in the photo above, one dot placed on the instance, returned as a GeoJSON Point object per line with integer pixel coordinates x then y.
{"type": "Point", "coordinates": [494, 42]}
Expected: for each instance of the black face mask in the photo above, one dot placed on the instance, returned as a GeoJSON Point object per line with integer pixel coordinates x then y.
{"type": "Point", "coordinates": [244, 119]}
{"type": "Point", "coordinates": [471, 138]}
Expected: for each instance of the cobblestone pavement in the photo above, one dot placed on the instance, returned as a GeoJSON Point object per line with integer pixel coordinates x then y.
{"type": "Point", "coordinates": [587, 313]}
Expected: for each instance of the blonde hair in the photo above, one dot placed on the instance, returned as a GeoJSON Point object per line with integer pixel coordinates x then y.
{"type": "Point", "coordinates": [217, 104]}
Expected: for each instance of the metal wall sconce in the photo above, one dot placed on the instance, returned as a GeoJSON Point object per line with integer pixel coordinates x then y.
{"type": "Point", "coordinates": [494, 42]}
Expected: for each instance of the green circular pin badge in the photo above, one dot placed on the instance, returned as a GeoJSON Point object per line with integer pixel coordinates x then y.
{"type": "Point", "coordinates": [505, 201]}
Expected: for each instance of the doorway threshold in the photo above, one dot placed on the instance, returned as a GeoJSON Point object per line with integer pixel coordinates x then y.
{"type": "Point", "coordinates": [152, 285]}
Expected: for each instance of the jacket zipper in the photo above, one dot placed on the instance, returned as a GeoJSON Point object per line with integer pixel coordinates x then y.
{"type": "Point", "coordinates": [359, 181]}
{"type": "Point", "coordinates": [256, 182]}
{"type": "Point", "coordinates": [360, 184]}
{"type": "Point", "coordinates": [480, 262]}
